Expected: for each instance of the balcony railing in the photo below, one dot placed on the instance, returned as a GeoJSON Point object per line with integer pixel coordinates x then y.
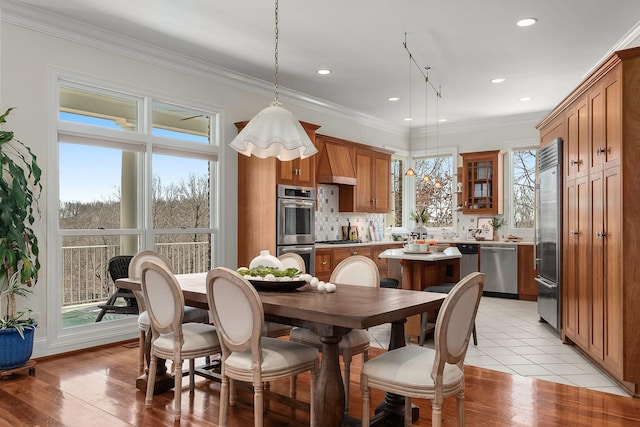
{"type": "Point", "coordinates": [86, 279]}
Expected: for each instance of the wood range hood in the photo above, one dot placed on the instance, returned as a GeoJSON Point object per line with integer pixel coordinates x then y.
{"type": "Point", "coordinates": [335, 165]}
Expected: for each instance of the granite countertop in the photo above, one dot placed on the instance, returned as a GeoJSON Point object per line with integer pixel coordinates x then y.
{"type": "Point", "coordinates": [439, 240]}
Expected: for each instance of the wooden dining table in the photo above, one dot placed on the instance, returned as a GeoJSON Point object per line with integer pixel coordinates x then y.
{"type": "Point", "coordinates": [330, 315]}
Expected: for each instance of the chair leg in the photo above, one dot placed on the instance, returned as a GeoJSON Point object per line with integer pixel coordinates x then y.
{"type": "Point", "coordinates": [407, 412]}
{"type": "Point", "coordinates": [423, 328]}
{"type": "Point", "coordinates": [177, 377]}
{"type": "Point", "coordinates": [224, 401]}
{"type": "Point", "coordinates": [151, 379]}
{"type": "Point", "coordinates": [292, 385]}
{"type": "Point", "coordinates": [460, 407]}
{"type": "Point", "coordinates": [141, 360]}
{"type": "Point", "coordinates": [258, 405]}
{"type": "Point", "coordinates": [312, 406]}
{"type": "Point", "coordinates": [436, 413]}
{"type": "Point", "coordinates": [366, 399]}
{"type": "Point", "coordinates": [192, 374]}
{"type": "Point", "coordinates": [475, 335]}
{"type": "Point", "coordinates": [346, 359]}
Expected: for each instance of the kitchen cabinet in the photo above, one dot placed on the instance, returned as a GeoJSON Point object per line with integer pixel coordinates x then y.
{"type": "Point", "coordinates": [299, 172]}
{"type": "Point", "coordinates": [482, 182]}
{"type": "Point", "coordinates": [257, 181]}
{"type": "Point", "coordinates": [527, 286]}
{"type": "Point", "coordinates": [324, 266]}
{"type": "Point", "coordinates": [328, 258]}
{"type": "Point", "coordinates": [372, 191]}
{"type": "Point", "coordinates": [601, 236]}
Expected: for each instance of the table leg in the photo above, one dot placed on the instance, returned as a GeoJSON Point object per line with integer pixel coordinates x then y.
{"type": "Point", "coordinates": [329, 390]}
{"type": "Point", "coordinates": [164, 381]}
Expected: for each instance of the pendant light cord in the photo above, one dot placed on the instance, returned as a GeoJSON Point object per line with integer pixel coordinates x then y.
{"type": "Point", "coordinates": [275, 73]}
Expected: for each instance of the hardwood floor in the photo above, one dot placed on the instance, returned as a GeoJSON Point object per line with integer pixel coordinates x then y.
{"type": "Point", "coordinates": [96, 388]}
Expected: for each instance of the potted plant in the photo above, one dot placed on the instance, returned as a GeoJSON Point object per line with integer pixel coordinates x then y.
{"type": "Point", "coordinates": [497, 223]}
{"type": "Point", "coordinates": [20, 188]}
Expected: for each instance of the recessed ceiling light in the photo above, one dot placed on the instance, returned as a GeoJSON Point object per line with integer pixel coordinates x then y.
{"type": "Point", "coordinates": [324, 71]}
{"type": "Point", "coordinates": [525, 98]}
{"type": "Point", "coordinates": [498, 80]}
{"type": "Point", "coordinates": [442, 120]}
{"type": "Point", "coordinates": [407, 119]}
{"type": "Point", "coordinates": [393, 98]}
{"type": "Point", "coordinates": [526, 22]}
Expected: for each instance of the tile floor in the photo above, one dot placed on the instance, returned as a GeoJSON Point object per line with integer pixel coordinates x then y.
{"type": "Point", "coordinates": [511, 339]}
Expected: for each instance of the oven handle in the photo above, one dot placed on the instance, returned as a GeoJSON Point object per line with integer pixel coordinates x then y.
{"type": "Point", "coordinates": [303, 203]}
{"type": "Point", "coordinates": [297, 249]}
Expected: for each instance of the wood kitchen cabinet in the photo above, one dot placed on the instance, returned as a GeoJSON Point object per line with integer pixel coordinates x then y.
{"type": "Point", "coordinates": [527, 285]}
{"type": "Point", "coordinates": [372, 192]}
{"type": "Point", "coordinates": [324, 266]}
{"type": "Point", "coordinates": [300, 172]}
{"type": "Point", "coordinates": [328, 258]}
{"type": "Point", "coordinates": [601, 221]}
{"type": "Point", "coordinates": [482, 182]}
{"type": "Point", "coordinates": [257, 181]}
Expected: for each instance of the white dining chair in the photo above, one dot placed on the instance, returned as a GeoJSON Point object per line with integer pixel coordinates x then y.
{"type": "Point", "coordinates": [191, 314]}
{"type": "Point", "coordinates": [273, 329]}
{"type": "Point", "coordinates": [171, 338]}
{"type": "Point", "coordinates": [247, 355]}
{"type": "Point", "coordinates": [357, 270]}
{"type": "Point", "coordinates": [414, 371]}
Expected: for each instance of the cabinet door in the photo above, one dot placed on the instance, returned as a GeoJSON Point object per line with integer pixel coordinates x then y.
{"type": "Point", "coordinates": [364, 186]}
{"type": "Point", "coordinates": [596, 323]}
{"type": "Point", "coordinates": [577, 149]}
{"type": "Point", "coordinates": [323, 264]}
{"type": "Point", "coordinates": [612, 261]}
{"type": "Point", "coordinates": [482, 183]}
{"type": "Point", "coordinates": [605, 114]}
{"type": "Point", "coordinates": [576, 283]}
{"type": "Point", "coordinates": [527, 286]}
{"type": "Point", "coordinates": [382, 183]}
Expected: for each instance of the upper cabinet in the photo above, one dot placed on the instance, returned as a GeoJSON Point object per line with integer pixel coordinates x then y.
{"type": "Point", "coordinates": [373, 183]}
{"type": "Point", "coordinates": [482, 182]}
{"type": "Point", "coordinates": [300, 172]}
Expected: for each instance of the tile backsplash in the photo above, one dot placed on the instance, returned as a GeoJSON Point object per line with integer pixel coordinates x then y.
{"type": "Point", "coordinates": [329, 220]}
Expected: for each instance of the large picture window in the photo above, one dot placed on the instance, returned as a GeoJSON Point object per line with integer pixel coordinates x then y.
{"type": "Point", "coordinates": [127, 182]}
{"type": "Point", "coordinates": [523, 202]}
{"type": "Point", "coordinates": [434, 195]}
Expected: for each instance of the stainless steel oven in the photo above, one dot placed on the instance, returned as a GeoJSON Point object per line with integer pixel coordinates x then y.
{"type": "Point", "coordinates": [296, 223]}
{"type": "Point", "coordinates": [296, 215]}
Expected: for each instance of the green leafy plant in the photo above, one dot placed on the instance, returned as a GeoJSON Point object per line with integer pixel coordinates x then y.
{"type": "Point", "coordinates": [497, 223]}
{"type": "Point", "coordinates": [420, 217]}
{"type": "Point", "coordinates": [20, 189]}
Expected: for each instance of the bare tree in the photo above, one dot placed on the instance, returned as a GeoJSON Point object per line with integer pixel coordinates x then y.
{"type": "Point", "coordinates": [524, 162]}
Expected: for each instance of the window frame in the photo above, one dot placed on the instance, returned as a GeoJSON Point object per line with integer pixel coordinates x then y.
{"type": "Point", "coordinates": [509, 211]}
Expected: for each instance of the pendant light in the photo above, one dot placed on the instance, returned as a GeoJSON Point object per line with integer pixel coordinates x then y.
{"type": "Point", "coordinates": [426, 178]}
{"type": "Point", "coordinates": [410, 171]}
{"type": "Point", "coordinates": [438, 183]}
{"type": "Point", "coordinates": [274, 131]}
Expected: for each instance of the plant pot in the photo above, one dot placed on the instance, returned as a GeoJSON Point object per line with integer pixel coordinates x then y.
{"type": "Point", "coordinates": [15, 350]}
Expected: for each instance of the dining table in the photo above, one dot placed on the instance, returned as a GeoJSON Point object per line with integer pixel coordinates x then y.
{"type": "Point", "coordinates": [331, 315]}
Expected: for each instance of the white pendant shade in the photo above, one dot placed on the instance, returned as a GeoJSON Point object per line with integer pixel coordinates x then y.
{"type": "Point", "coordinates": [274, 132]}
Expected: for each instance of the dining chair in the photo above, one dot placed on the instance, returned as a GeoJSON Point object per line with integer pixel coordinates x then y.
{"type": "Point", "coordinates": [416, 371]}
{"type": "Point", "coordinates": [247, 355]}
{"type": "Point", "coordinates": [356, 270]}
{"type": "Point", "coordinates": [273, 329]}
{"type": "Point", "coordinates": [191, 314]}
{"type": "Point", "coordinates": [425, 326]}
{"type": "Point", "coordinates": [171, 338]}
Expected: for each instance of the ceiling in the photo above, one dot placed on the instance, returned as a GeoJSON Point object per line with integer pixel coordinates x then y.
{"type": "Point", "coordinates": [465, 42]}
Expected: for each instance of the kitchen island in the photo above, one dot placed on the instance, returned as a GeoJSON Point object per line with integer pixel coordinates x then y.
{"type": "Point", "coordinates": [422, 270]}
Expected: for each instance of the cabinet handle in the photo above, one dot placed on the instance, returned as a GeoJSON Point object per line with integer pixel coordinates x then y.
{"type": "Point", "coordinates": [576, 162]}
{"type": "Point", "coordinates": [574, 233]}
{"type": "Point", "coordinates": [354, 253]}
{"type": "Point", "coordinates": [324, 262]}
{"type": "Point", "coordinates": [601, 151]}
{"type": "Point", "coordinates": [601, 235]}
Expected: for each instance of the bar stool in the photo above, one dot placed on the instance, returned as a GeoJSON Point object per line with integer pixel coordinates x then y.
{"type": "Point", "coordinates": [443, 288]}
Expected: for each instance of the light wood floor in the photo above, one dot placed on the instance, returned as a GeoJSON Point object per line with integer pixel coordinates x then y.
{"type": "Point", "coordinates": [96, 388]}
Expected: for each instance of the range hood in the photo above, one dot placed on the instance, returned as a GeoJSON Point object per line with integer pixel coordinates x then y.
{"type": "Point", "coordinates": [335, 165]}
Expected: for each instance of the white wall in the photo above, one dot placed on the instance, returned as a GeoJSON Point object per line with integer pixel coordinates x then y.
{"type": "Point", "coordinates": [27, 57]}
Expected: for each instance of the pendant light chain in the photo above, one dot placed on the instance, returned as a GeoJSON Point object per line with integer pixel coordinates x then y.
{"type": "Point", "coordinates": [275, 73]}
{"type": "Point", "coordinates": [410, 171]}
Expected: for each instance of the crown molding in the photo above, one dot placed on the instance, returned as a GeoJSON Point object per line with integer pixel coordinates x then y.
{"type": "Point", "coordinates": [515, 120]}
{"type": "Point", "coordinates": [630, 39]}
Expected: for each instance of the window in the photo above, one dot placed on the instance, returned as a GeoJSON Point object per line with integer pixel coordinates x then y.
{"type": "Point", "coordinates": [435, 197]}
{"type": "Point", "coordinates": [523, 172]}
{"type": "Point", "coordinates": [397, 175]}
{"type": "Point", "coordinates": [127, 182]}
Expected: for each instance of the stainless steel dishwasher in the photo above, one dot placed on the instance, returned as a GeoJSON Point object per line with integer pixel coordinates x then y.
{"type": "Point", "coordinates": [499, 262]}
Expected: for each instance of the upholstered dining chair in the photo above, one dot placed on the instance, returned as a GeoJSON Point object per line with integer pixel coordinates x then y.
{"type": "Point", "coordinates": [354, 270]}
{"type": "Point", "coordinates": [273, 329]}
{"type": "Point", "coordinates": [416, 371]}
{"type": "Point", "coordinates": [171, 338]}
{"type": "Point", "coordinates": [246, 354]}
{"type": "Point", "coordinates": [191, 314]}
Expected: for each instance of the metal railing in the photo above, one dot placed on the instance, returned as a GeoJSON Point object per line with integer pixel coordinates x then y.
{"type": "Point", "coordinates": [87, 281]}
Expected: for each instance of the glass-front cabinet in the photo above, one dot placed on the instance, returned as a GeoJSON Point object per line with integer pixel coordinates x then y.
{"type": "Point", "coordinates": [482, 182]}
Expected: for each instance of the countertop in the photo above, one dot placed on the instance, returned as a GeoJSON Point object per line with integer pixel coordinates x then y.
{"type": "Point", "coordinates": [431, 256]}
{"type": "Point", "coordinates": [438, 240]}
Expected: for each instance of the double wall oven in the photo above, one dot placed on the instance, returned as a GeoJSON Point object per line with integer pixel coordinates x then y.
{"type": "Point", "coordinates": [296, 222]}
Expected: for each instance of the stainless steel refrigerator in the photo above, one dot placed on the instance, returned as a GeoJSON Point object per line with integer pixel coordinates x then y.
{"type": "Point", "coordinates": [548, 232]}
